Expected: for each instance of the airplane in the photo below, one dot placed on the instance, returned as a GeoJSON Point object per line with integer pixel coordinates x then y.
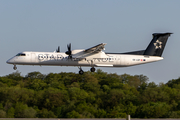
{"type": "Point", "coordinates": [94, 56]}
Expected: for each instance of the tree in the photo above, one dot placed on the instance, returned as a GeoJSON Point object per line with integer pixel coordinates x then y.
{"type": "Point", "coordinates": [117, 112]}
{"type": "Point", "coordinates": [53, 97]}
{"type": "Point", "coordinates": [142, 78]}
{"type": "Point", "coordinates": [37, 84]}
{"type": "Point", "coordinates": [15, 76]}
{"type": "Point", "coordinates": [2, 114]}
{"type": "Point", "coordinates": [134, 81]}
{"type": "Point", "coordinates": [77, 94]}
{"type": "Point", "coordinates": [90, 83]}
{"type": "Point", "coordinates": [130, 109]}
{"type": "Point", "coordinates": [35, 75]}
{"type": "Point", "coordinates": [19, 109]}
{"type": "Point", "coordinates": [91, 95]}
{"type": "Point", "coordinates": [29, 113]}
{"type": "Point", "coordinates": [73, 114]}
{"type": "Point", "coordinates": [44, 113]}
{"type": "Point", "coordinates": [115, 97]}
{"type": "Point", "coordinates": [10, 113]}
{"type": "Point", "coordinates": [153, 110]}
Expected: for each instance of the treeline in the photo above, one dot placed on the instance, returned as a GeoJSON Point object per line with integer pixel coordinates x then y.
{"type": "Point", "coordinates": [91, 95]}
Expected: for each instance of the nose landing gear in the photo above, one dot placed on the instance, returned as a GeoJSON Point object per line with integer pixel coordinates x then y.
{"type": "Point", "coordinates": [14, 67]}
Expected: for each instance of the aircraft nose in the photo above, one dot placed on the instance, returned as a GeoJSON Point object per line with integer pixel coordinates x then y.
{"type": "Point", "coordinates": [10, 61]}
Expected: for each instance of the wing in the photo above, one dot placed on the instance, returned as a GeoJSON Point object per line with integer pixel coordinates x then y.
{"type": "Point", "coordinates": [96, 49]}
{"type": "Point", "coordinates": [83, 54]}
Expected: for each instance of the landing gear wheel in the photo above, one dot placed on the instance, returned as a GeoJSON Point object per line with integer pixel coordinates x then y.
{"type": "Point", "coordinates": [14, 67]}
{"type": "Point", "coordinates": [92, 69]}
{"type": "Point", "coordinates": [81, 72]}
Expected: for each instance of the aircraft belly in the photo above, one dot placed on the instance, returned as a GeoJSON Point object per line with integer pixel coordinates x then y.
{"type": "Point", "coordinates": [59, 63]}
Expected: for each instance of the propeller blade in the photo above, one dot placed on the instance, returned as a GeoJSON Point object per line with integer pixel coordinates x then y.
{"type": "Point", "coordinates": [58, 50]}
{"type": "Point", "coordinates": [69, 50]}
{"type": "Point", "coordinates": [69, 46]}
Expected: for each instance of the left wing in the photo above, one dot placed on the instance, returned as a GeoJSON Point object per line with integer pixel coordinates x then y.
{"type": "Point", "coordinates": [81, 55]}
{"type": "Point", "coordinates": [96, 49]}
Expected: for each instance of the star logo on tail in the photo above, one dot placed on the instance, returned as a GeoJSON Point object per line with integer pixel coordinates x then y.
{"type": "Point", "coordinates": [158, 44]}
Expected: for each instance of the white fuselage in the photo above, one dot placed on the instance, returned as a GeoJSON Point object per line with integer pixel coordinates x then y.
{"type": "Point", "coordinates": [80, 59]}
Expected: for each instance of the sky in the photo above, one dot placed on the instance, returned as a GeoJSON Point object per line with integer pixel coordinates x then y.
{"type": "Point", "coordinates": [125, 25]}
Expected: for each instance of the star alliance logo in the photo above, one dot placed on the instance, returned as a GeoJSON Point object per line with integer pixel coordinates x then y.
{"type": "Point", "coordinates": [158, 44]}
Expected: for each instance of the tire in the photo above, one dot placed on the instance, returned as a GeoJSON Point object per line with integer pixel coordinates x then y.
{"type": "Point", "coordinates": [81, 72]}
{"type": "Point", "coordinates": [92, 69]}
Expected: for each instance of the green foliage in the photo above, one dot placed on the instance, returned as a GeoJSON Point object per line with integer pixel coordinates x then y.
{"type": "Point", "coordinates": [15, 76]}
{"type": "Point", "coordinates": [73, 114]}
{"type": "Point", "coordinates": [154, 110]}
{"type": "Point", "coordinates": [54, 97]}
{"type": "Point", "coordinates": [2, 114]}
{"type": "Point", "coordinates": [10, 113]}
{"type": "Point", "coordinates": [44, 113]}
{"type": "Point", "coordinates": [142, 78]}
{"type": "Point", "coordinates": [37, 84]}
{"type": "Point", "coordinates": [117, 112]}
{"type": "Point", "coordinates": [35, 75]}
{"type": "Point", "coordinates": [91, 95]}
{"type": "Point", "coordinates": [23, 111]}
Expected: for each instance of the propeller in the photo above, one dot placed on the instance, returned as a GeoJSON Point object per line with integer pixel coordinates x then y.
{"type": "Point", "coordinates": [69, 50]}
{"type": "Point", "coordinates": [58, 50]}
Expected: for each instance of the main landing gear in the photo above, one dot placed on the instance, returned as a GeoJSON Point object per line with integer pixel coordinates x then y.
{"type": "Point", "coordinates": [92, 69]}
{"type": "Point", "coordinates": [81, 72]}
{"type": "Point", "coordinates": [14, 67]}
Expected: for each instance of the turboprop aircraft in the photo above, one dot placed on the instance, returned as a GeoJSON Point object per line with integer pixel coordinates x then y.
{"type": "Point", "coordinates": [94, 56]}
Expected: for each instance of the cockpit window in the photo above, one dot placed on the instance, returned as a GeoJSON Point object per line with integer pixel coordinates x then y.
{"type": "Point", "coordinates": [21, 54]}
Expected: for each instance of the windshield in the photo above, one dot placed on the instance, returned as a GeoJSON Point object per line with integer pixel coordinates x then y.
{"type": "Point", "coordinates": [21, 54]}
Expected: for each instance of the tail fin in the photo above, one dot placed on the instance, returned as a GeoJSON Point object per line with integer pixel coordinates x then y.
{"type": "Point", "coordinates": [157, 44]}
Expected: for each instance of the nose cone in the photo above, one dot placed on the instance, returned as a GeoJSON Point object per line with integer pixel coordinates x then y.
{"type": "Point", "coordinates": [10, 61]}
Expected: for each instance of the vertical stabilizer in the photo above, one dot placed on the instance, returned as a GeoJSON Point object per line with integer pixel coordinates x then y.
{"type": "Point", "coordinates": [157, 44]}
